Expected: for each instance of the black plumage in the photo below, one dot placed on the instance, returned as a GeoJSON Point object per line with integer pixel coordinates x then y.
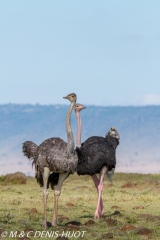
{"type": "Point", "coordinates": [97, 155]}
{"type": "Point", "coordinates": [97, 152]}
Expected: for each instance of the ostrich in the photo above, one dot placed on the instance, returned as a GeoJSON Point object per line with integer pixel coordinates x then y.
{"type": "Point", "coordinates": [54, 160]}
{"type": "Point", "coordinates": [97, 155]}
{"type": "Point", "coordinates": [78, 146]}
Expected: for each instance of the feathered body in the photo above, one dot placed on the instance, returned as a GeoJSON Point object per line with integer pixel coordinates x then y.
{"type": "Point", "coordinates": [51, 153]}
{"type": "Point", "coordinates": [95, 153]}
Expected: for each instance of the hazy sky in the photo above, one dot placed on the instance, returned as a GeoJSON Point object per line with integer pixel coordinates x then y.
{"type": "Point", "coordinates": [106, 51]}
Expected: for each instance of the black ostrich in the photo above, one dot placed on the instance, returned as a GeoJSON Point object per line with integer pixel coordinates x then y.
{"type": "Point", "coordinates": [54, 160]}
{"type": "Point", "coordinates": [97, 155]}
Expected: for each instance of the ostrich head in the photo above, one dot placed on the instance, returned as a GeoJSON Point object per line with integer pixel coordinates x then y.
{"type": "Point", "coordinates": [72, 97]}
{"type": "Point", "coordinates": [78, 107]}
{"type": "Point", "coordinates": [113, 133]}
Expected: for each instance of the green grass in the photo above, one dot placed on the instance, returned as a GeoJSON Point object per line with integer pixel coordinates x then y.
{"type": "Point", "coordinates": [135, 196]}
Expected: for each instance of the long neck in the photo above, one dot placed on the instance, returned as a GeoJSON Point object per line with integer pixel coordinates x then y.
{"type": "Point", "coordinates": [70, 139]}
{"type": "Point", "coordinates": [79, 130]}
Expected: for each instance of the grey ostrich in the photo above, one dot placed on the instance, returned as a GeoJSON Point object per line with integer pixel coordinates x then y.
{"type": "Point", "coordinates": [97, 155]}
{"type": "Point", "coordinates": [54, 160]}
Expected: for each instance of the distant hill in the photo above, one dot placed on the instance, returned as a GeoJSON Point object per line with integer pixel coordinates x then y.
{"type": "Point", "coordinates": [139, 149]}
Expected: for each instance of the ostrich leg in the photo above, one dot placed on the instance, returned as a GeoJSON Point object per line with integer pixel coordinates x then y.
{"type": "Point", "coordinates": [100, 189]}
{"type": "Point", "coordinates": [96, 182]}
{"type": "Point", "coordinates": [45, 195]}
{"type": "Point", "coordinates": [57, 192]}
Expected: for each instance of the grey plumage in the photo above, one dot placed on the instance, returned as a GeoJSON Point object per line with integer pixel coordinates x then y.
{"type": "Point", "coordinates": [51, 153]}
{"type": "Point", "coordinates": [54, 160]}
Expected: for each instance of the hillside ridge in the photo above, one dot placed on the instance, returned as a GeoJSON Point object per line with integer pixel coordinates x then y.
{"type": "Point", "coordinates": [138, 127]}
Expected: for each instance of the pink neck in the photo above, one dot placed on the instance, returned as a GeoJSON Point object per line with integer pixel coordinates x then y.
{"type": "Point", "coordinates": [79, 130]}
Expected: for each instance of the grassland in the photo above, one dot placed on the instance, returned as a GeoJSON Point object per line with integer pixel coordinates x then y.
{"type": "Point", "coordinates": [131, 204]}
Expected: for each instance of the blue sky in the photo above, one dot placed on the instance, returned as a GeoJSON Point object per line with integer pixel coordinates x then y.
{"type": "Point", "coordinates": [108, 52]}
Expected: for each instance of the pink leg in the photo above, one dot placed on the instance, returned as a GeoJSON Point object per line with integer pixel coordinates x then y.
{"type": "Point", "coordinates": [96, 182]}
{"type": "Point", "coordinates": [100, 189]}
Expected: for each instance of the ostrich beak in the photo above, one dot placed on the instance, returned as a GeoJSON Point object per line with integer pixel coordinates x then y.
{"type": "Point", "coordinates": [66, 97]}
{"type": "Point", "coordinates": [82, 107]}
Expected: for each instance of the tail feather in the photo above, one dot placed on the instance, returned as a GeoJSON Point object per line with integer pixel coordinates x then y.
{"type": "Point", "coordinates": [30, 150]}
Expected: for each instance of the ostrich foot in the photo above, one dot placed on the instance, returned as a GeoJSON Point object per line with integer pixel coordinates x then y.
{"type": "Point", "coordinates": [96, 215]}
{"type": "Point", "coordinates": [44, 225]}
{"type": "Point", "coordinates": [54, 224]}
{"type": "Point", "coordinates": [100, 213]}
